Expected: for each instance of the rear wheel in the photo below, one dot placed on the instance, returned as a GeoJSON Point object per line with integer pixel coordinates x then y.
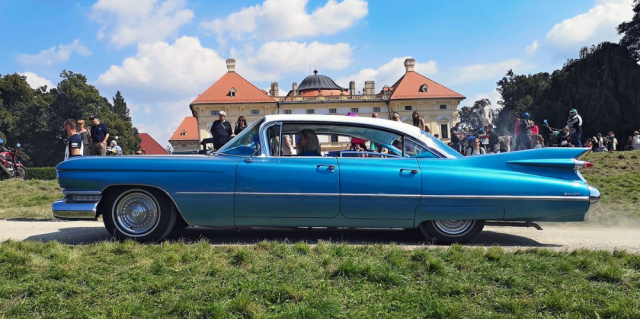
{"type": "Point", "coordinates": [142, 214]}
{"type": "Point", "coordinates": [447, 232]}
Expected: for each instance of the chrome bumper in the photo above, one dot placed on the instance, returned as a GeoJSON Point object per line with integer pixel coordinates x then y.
{"type": "Point", "coordinates": [594, 201]}
{"type": "Point", "coordinates": [74, 211]}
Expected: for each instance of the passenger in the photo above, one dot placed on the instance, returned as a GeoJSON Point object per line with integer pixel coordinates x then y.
{"type": "Point", "coordinates": [308, 144]}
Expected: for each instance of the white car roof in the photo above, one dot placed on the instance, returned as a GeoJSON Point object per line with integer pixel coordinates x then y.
{"type": "Point", "coordinates": [382, 123]}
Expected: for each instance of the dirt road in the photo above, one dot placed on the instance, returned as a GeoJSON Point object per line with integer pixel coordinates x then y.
{"type": "Point", "coordinates": [557, 236]}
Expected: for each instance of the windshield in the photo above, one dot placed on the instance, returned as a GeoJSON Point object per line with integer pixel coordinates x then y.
{"type": "Point", "coordinates": [439, 145]}
{"type": "Point", "coordinates": [246, 143]}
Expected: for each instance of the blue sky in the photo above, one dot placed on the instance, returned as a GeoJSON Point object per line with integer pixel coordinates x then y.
{"type": "Point", "coordinates": [162, 53]}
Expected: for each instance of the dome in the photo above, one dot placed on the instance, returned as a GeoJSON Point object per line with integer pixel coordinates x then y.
{"type": "Point", "coordinates": [318, 82]}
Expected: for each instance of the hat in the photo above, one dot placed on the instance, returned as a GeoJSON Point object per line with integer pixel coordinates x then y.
{"type": "Point", "coordinates": [93, 116]}
{"type": "Point", "coordinates": [223, 113]}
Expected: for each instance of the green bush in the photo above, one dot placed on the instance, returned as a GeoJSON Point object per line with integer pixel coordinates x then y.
{"type": "Point", "coordinates": [41, 173]}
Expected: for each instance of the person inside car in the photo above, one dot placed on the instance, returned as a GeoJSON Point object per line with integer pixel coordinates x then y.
{"type": "Point", "coordinates": [308, 145]}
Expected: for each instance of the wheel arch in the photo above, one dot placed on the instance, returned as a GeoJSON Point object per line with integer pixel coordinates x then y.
{"type": "Point", "coordinates": [114, 188]}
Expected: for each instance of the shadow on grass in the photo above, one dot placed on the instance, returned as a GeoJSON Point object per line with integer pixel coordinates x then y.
{"type": "Point", "coordinates": [222, 236]}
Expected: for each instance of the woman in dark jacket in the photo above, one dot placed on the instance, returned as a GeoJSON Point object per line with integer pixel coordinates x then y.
{"type": "Point", "coordinates": [240, 125]}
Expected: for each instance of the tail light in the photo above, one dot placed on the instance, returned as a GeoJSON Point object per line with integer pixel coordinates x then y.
{"type": "Point", "coordinates": [587, 165]}
{"type": "Point", "coordinates": [582, 164]}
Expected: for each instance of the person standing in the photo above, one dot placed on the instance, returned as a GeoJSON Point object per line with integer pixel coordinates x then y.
{"type": "Point", "coordinates": [636, 140]}
{"type": "Point", "coordinates": [74, 143]}
{"type": "Point", "coordinates": [574, 123]}
{"type": "Point", "coordinates": [455, 137]}
{"type": "Point", "coordinates": [99, 136]}
{"type": "Point", "coordinates": [240, 125]}
{"type": "Point", "coordinates": [612, 142]}
{"type": "Point", "coordinates": [494, 139]}
{"type": "Point", "coordinates": [221, 131]}
{"type": "Point", "coordinates": [375, 115]}
{"type": "Point", "coordinates": [475, 148]}
{"type": "Point", "coordinates": [418, 122]}
{"type": "Point", "coordinates": [84, 134]}
{"type": "Point", "coordinates": [396, 117]}
{"type": "Point", "coordinates": [525, 132]}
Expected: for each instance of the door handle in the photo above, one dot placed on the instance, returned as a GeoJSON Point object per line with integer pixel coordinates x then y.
{"type": "Point", "coordinates": [331, 167]}
{"type": "Point", "coordinates": [413, 171]}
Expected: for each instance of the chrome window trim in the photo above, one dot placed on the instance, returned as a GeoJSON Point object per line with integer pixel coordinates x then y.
{"type": "Point", "coordinates": [81, 193]}
{"type": "Point", "coordinates": [511, 197]}
{"type": "Point", "coordinates": [287, 194]}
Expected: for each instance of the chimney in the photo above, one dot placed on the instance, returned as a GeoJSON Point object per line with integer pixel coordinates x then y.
{"type": "Point", "coordinates": [409, 64]}
{"type": "Point", "coordinates": [274, 89]}
{"type": "Point", "coordinates": [294, 89]}
{"type": "Point", "coordinates": [231, 65]}
{"type": "Point", "coordinates": [352, 88]}
{"type": "Point", "coordinates": [369, 88]}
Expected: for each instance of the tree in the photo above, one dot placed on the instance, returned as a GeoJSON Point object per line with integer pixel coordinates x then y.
{"type": "Point", "coordinates": [120, 107]}
{"type": "Point", "coordinates": [630, 32]}
{"type": "Point", "coordinates": [518, 95]}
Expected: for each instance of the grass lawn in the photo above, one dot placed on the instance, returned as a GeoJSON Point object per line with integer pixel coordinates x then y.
{"type": "Point", "coordinates": [28, 199]}
{"type": "Point", "coordinates": [281, 280]}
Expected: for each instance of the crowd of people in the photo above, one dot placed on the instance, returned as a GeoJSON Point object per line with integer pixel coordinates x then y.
{"type": "Point", "coordinates": [528, 135]}
{"type": "Point", "coordinates": [89, 141]}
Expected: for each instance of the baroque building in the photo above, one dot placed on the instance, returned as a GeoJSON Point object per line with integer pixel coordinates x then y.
{"type": "Point", "coordinates": [319, 94]}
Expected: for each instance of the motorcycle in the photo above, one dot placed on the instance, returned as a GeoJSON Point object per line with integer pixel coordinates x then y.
{"type": "Point", "coordinates": [10, 166]}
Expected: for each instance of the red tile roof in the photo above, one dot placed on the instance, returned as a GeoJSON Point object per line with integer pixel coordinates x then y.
{"type": "Point", "coordinates": [245, 91]}
{"type": "Point", "coordinates": [150, 146]}
{"type": "Point", "coordinates": [409, 87]}
{"type": "Point", "coordinates": [190, 127]}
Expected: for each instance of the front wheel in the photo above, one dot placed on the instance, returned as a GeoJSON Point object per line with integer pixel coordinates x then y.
{"type": "Point", "coordinates": [21, 173]}
{"type": "Point", "coordinates": [140, 214]}
{"type": "Point", "coordinates": [446, 232]}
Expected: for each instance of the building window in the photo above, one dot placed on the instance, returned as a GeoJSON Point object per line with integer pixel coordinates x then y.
{"type": "Point", "coordinates": [443, 107]}
{"type": "Point", "coordinates": [376, 109]}
{"type": "Point", "coordinates": [232, 92]}
{"type": "Point", "coordinates": [183, 145]}
{"type": "Point", "coordinates": [216, 112]}
{"type": "Point", "coordinates": [311, 111]}
{"type": "Point", "coordinates": [183, 133]}
{"type": "Point", "coordinates": [354, 110]}
{"type": "Point", "coordinates": [424, 88]}
{"type": "Point", "coordinates": [444, 130]}
{"type": "Point", "coordinates": [287, 111]}
{"type": "Point", "coordinates": [333, 111]}
{"type": "Point", "coordinates": [334, 138]}
{"type": "Point", "coordinates": [255, 112]}
{"type": "Point", "coordinates": [407, 107]}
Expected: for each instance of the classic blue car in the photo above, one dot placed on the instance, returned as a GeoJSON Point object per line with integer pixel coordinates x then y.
{"type": "Point", "coordinates": [401, 177]}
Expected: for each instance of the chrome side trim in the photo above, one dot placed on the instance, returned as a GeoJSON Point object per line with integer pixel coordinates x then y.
{"type": "Point", "coordinates": [85, 193]}
{"type": "Point", "coordinates": [383, 195]}
{"type": "Point", "coordinates": [76, 211]}
{"type": "Point", "coordinates": [204, 193]}
{"type": "Point", "coordinates": [512, 197]}
{"type": "Point", "coordinates": [287, 194]}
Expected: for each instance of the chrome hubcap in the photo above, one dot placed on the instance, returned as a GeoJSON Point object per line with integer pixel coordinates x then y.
{"type": "Point", "coordinates": [136, 213]}
{"type": "Point", "coordinates": [453, 227]}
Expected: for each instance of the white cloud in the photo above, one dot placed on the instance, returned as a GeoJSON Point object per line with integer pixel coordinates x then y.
{"type": "Point", "coordinates": [276, 58]}
{"type": "Point", "coordinates": [53, 56]}
{"type": "Point", "coordinates": [596, 25]}
{"type": "Point", "coordinates": [533, 47]}
{"type": "Point", "coordinates": [160, 120]}
{"type": "Point", "coordinates": [36, 81]}
{"type": "Point", "coordinates": [127, 22]}
{"type": "Point", "coordinates": [161, 70]}
{"type": "Point", "coordinates": [387, 74]}
{"type": "Point", "coordinates": [287, 19]}
{"type": "Point", "coordinates": [479, 72]}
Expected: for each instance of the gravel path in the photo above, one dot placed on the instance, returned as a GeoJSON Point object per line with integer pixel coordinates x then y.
{"type": "Point", "coordinates": [554, 236]}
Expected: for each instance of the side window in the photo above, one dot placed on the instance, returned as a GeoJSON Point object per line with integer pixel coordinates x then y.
{"type": "Point", "coordinates": [412, 148]}
{"type": "Point", "coordinates": [273, 138]}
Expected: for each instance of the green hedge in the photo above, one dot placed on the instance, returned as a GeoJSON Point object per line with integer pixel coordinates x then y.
{"type": "Point", "coordinates": [42, 173]}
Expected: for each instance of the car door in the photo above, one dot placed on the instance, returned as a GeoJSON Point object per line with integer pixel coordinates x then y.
{"type": "Point", "coordinates": [379, 188]}
{"type": "Point", "coordinates": [287, 187]}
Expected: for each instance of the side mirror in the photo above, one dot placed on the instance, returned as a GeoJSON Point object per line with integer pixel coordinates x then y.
{"type": "Point", "coordinates": [18, 145]}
